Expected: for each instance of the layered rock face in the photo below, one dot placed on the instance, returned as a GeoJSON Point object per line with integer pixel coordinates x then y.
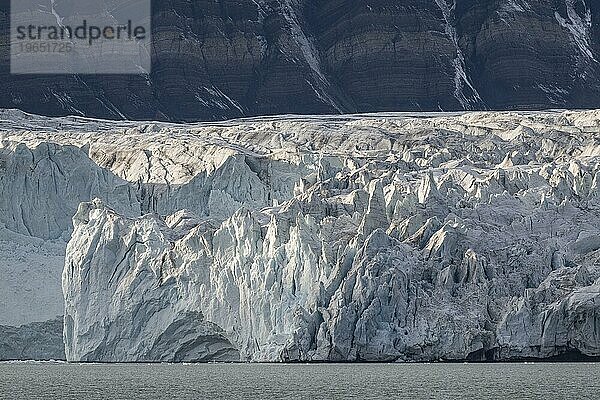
{"type": "Point", "coordinates": [381, 238]}
{"type": "Point", "coordinates": [232, 58]}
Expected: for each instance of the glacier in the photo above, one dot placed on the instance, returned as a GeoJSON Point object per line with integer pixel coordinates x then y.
{"type": "Point", "coordinates": [382, 237]}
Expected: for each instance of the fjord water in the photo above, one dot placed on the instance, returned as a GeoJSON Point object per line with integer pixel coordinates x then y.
{"type": "Point", "coordinates": [300, 381]}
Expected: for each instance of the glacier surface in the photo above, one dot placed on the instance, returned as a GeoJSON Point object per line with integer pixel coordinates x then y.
{"type": "Point", "coordinates": [385, 237]}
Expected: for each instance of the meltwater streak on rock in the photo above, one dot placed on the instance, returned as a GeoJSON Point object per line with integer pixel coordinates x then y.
{"type": "Point", "coordinates": [375, 238]}
{"type": "Point", "coordinates": [235, 58]}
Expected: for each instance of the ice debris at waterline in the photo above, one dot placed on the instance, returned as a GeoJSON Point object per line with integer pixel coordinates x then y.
{"type": "Point", "coordinates": [363, 238]}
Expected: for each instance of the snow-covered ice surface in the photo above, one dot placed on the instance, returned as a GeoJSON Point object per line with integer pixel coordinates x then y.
{"type": "Point", "coordinates": [375, 237]}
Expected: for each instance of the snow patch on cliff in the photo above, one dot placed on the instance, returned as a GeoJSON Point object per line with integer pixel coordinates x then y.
{"type": "Point", "coordinates": [461, 78]}
{"type": "Point", "coordinates": [579, 27]}
{"type": "Point", "coordinates": [310, 53]}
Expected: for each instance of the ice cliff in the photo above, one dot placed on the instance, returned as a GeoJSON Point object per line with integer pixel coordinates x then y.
{"type": "Point", "coordinates": [384, 237]}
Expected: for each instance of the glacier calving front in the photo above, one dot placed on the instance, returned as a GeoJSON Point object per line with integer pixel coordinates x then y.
{"type": "Point", "coordinates": [361, 238]}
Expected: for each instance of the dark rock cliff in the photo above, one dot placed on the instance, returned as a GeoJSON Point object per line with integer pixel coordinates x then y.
{"type": "Point", "coordinates": [218, 59]}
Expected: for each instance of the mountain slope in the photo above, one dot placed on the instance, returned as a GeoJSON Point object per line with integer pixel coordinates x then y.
{"type": "Point", "coordinates": [223, 59]}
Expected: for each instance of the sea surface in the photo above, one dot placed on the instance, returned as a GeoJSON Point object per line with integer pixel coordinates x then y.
{"type": "Point", "coordinates": [299, 381]}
